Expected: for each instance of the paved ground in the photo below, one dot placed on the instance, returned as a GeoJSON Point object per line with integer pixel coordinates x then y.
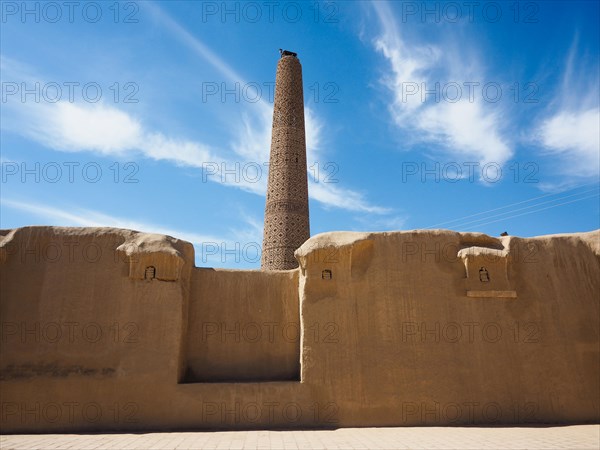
{"type": "Point", "coordinates": [572, 437]}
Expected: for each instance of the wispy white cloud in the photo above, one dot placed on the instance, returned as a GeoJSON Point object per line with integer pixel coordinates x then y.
{"type": "Point", "coordinates": [196, 45]}
{"type": "Point", "coordinates": [477, 129]}
{"type": "Point", "coordinates": [575, 137]}
{"type": "Point", "coordinates": [70, 127]}
{"type": "Point", "coordinates": [81, 217]}
{"type": "Point", "coordinates": [251, 232]}
{"type": "Point", "coordinates": [239, 245]}
{"type": "Point", "coordinates": [468, 127]}
{"type": "Point", "coordinates": [108, 130]}
{"type": "Point", "coordinates": [330, 194]}
{"type": "Point", "coordinates": [569, 132]}
{"type": "Point", "coordinates": [254, 129]}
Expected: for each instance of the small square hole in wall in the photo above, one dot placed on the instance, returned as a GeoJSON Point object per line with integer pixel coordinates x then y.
{"type": "Point", "coordinates": [484, 275]}
{"type": "Point", "coordinates": [326, 274]}
{"type": "Point", "coordinates": [150, 273]}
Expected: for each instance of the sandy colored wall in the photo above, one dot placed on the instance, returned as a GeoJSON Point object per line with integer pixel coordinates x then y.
{"type": "Point", "coordinates": [74, 303]}
{"type": "Point", "coordinates": [415, 349]}
{"type": "Point", "coordinates": [243, 326]}
{"type": "Point", "coordinates": [405, 328]}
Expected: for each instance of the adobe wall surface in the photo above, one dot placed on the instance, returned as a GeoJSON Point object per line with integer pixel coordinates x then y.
{"type": "Point", "coordinates": [243, 326]}
{"type": "Point", "coordinates": [107, 329]}
{"type": "Point", "coordinates": [414, 346]}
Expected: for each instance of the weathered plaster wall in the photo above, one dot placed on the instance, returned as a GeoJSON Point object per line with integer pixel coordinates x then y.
{"type": "Point", "coordinates": [397, 329]}
{"type": "Point", "coordinates": [243, 326]}
{"type": "Point", "coordinates": [74, 303]}
{"type": "Point", "coordinates": [414, 347]}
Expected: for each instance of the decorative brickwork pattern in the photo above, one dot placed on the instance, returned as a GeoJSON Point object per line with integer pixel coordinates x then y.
{"type": "Point", "coordinates": [286, 211]}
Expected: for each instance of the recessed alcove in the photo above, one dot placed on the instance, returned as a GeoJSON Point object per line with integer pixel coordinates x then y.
{"type": "Point", "coordinates": [486, 273]}
{"type": "Point", "coordinates": [242, 327]}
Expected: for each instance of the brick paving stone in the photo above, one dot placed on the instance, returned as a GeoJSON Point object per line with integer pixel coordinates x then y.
{"type": "Point", "coordinates": [569, 437]}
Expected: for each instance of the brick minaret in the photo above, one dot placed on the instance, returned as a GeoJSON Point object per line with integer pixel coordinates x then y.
{"type": "Point", "coordinates": [286, 211]}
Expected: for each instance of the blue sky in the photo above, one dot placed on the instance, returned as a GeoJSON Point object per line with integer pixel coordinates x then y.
{"type": "Point", "coordinates": [157, 116]}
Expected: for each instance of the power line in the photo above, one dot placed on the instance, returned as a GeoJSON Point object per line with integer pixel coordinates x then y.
{"type": "Point", "coordinates": [531, 212]}
{"type": "Point", "coordinates": [526, 207]}
{"type": "Point", "coordinates": [460, 219]}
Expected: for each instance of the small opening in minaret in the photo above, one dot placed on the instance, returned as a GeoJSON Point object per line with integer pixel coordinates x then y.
{"type": "Point", "coordinates": [326, 275]}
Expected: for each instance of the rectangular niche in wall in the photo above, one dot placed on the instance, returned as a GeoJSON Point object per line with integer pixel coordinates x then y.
{"type": "Point", "coordinates": [486, 273]}
{"type": "Point", "coordinates": [243, 326]}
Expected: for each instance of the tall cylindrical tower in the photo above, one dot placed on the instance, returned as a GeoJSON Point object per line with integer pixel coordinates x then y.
{"type": "Point", "coordinates": [286, 212]}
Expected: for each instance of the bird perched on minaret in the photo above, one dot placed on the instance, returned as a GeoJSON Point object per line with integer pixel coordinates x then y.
{"type": "Point", "coordinates": [283, 52]}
